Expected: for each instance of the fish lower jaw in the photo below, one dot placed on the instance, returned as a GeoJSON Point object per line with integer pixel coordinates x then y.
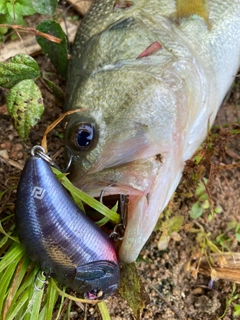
{"type": "Point", "coordinates": [138, 209]}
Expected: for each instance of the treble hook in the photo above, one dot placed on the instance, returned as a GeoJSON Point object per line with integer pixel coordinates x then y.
{"type": "Point", "coordinates": [40, 152]}
{"type": "Point", "coordinates": [43, 281]}
{"type": "Point", "coordinates": [123, 209]}
{"type": "Point", "coordinates": [118, 230]}
{"type": "Point", "coordinates": [103, 191]}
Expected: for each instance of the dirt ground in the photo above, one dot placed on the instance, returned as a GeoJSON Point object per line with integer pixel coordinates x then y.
{"type": "Point", "coordinates": [166, 270]}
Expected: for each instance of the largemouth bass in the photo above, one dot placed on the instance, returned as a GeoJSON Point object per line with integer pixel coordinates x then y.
{"type": "Point", "coordinates": [150, 76]}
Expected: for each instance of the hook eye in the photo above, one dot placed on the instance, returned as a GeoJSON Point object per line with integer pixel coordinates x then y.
{"type": "Point", "coordinates": [40, 152]}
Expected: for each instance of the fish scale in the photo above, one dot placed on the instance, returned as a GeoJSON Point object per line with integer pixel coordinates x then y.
{"type": "Point", "coordinates": [143, 105]}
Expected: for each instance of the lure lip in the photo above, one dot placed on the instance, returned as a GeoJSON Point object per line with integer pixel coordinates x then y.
{"type": "Point", "coordinates": [100, 294]}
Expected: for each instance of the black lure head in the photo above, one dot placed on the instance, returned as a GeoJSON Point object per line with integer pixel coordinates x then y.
{"type": "Point", "coordinates": [98, 279]}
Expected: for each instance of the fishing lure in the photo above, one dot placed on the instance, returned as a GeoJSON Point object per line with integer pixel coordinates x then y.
{"type": "Point", "coordinates": [59, 237]}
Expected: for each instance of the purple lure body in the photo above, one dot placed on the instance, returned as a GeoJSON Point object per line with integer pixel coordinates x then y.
{"type": "Point", "coordinates": [59, 237]}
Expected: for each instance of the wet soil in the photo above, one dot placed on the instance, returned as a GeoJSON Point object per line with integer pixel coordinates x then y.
{"type": "Point", "coordinates": [167, 271]}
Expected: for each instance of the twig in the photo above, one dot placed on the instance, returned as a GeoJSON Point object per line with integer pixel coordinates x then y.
{"type": "Point", "coordinates": [12, 288]}
{"type": "Point", "coordinates": [57, 153]}
{"type": "Point", "coordinates": [208, 193]}
{"type": "Point", "coordinates": [228, 166]}
{"type": "Point", "coordinates": [11, 48]}
{"type": "Point", "coordinates": [164, 299]}
{"type": "Point", "coordinates": [85, 312]}
{"type": "Point", "coordinates": [53, 125]}
{"type": "Point", "coordinates": [32, 31]}
{"type": "Point", "coordinates": [64, 308]}
{"type": "Point", "coordinates": [12, 163]}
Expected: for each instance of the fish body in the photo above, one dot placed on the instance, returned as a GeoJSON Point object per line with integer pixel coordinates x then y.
{"type": "Point", "coordinates": [60, 238]}
{"type": "Point", "coordinates": [149, 83]}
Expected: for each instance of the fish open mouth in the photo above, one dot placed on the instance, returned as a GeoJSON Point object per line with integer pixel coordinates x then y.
{"type": "Point", "coordinates": [126, 184]}
{"type": "Point", "coordinates": [133, 186]}
{"type": "Point", "coordinates": [133, 209]}
{"type": "Point", "coordinates": [126, 197]}
{"type": "Point", "coordinates": [124, 202]}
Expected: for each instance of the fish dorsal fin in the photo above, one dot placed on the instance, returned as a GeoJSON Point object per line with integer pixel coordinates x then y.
{"type": "Point", "coordinates": [185, 8]}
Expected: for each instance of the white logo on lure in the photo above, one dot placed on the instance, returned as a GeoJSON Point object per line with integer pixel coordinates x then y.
{"type": "Point", "coordinates": [38, 192]}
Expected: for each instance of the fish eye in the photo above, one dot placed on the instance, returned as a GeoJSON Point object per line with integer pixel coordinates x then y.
{"type": "Point", "coordinates": [83, 136]}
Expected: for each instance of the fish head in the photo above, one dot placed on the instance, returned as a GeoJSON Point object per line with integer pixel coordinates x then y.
{"type": "Point", "coordinates": [128, 118]}
{"type": "Point", "coordinates": [122, 138]}
{"type": "Point", "coordinates": [107, 141]}
{"type": "Point", "coordinates": [132, 123]}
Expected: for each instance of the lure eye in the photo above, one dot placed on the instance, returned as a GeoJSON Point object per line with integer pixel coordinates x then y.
{"type": "Point", "coordinates": [83, 136]}
{"type": "Point", "coordinates": [94, 294]}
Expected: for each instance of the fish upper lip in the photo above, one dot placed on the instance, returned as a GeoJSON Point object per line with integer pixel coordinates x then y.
{"type": "Point", "coordinates": [113, 190]}
{"type": "Point", "coordinates": [129, 179]}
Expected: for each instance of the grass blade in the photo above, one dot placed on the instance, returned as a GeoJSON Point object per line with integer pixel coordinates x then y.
{"type": "Point", "coordinates": [5, 280]}
{"type": "Point", "coordinates": [79, 194]}
{"type": "Point", "coordinates": [50, 301]}
{"type": "Point", "coordinates": [104, 310]}
{"type": "Point", "coordinates": [22, 294]}
{"type": "Point", "coordinates": [17, 279]}
{"type": "Point", "coordinates": [14, 252]}
{"type": "Point", "coordinates": [34, 304]}
{"type": "Point", "coordinates": [7, 234]}
{"type": "Point", "coordinates": [20, 303]}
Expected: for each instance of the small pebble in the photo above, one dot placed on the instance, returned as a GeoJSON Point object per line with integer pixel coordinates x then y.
{"type": "Point", "coordinates": [197, 291]}
{"type": "Point", "coordinates": [91, 310]}
{"type": "Point", "coordinates": [73, 314]}
{"type": "Point", "coordinates": [4, 154]}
